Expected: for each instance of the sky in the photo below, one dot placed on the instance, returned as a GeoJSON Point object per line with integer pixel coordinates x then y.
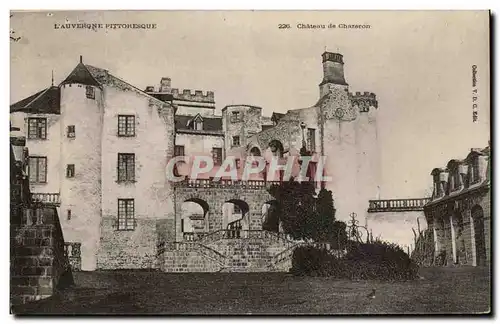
{"type": "Point", "coordinates": [419, 64]}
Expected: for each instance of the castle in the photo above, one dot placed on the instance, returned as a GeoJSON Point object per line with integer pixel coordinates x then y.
{"type": "Point", "coordinates": [99, 147]}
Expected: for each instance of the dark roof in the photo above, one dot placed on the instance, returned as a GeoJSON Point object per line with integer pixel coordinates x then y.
{"type": "Point", "coordinates": [209, 123]}
{"type": "Point", "coordinates": [43, 102]}
{"type": "Point", "coordinates": [81, 75]}
{"type": "Point", "coordinates": [264, 127]}
{"type": "Point", "coordinates": [276, 116]}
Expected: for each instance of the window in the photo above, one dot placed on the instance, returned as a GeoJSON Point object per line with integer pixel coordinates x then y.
{"type": "Point", "coordinates": [217, 155]}
{"type": "Point", "coordinates": [236, 116]}
{"type": "Point", "coordinates": [198, 125]}
{"type": "Point", "coordinates": [126, 219]}
{"type": "Point", "coordinates": [236, 141]}
{"type": "Point", "coordinates": [37, 128]}
{"type": "Point", "coordinates": [455, 180]}
{"type": "Point", "coordinates": [37, 169]}
{"type": "Point", "coordinates": [71, 131]}
{"type": "Point", "coordinates": [126, 167]}
{"type": "Point", "coordinates": [311, 139]}
{"type": "Point", "coordinates": [237, 209]}
{"type": "Point", "coordinates": [475, 170]}
{"type": "Point", "coordinates": [437, 186]}
{"type": "Point", "coordinates": [238, 163]}
{"type": "Point", "coordinates": [70, 171]}
{"type": "Point", "coordinates": [179, 150]}
{"type": "Point", "coordinates": [68, 217]}
{"type": "Point", "coordinates": [126, 125]}
{"type": "Point", "coordinates": [90, 92]}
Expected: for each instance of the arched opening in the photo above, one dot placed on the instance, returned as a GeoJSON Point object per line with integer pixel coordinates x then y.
{"type": "Point", "coordinates": [255, 151]}
{"type": "Point", "coordinates": [193, 219]}
{"type": "Point", "coordinates": [235, 218]}
{"type": "Point", "coordinates": [271, 216]}
{"type": "Point", "coordinates": [479, 239]}
{"type": "Point", "coordinates": [277, 148]}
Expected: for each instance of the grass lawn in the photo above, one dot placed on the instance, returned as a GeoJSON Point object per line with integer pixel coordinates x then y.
{"type": "Point", "coordinates": [442, 290]}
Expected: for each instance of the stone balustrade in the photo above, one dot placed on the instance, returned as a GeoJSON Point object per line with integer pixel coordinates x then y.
{"type": "Point", "coordinates": [392, 205]}
{"type": "Point", "coordinates": [225, 183]}
{"type": "Point", "coordinates": [46, 198]}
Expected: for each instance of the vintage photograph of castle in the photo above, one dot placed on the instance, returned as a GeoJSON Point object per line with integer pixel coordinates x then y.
{"type": "Point", "coordinates": [235, 163]}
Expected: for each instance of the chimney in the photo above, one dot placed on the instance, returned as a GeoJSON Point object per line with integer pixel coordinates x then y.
{"type": "Point", "coordinates": [165, 84]}
{"type": "Point", "coordinates": [81, 59]}
{"type": "Point", "coordinates": [333, 68]}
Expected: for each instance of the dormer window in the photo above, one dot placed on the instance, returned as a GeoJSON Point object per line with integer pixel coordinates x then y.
{"type": "Point", "coordinates": [198, 125]}
{"type": "Point", "coordinates": [455, 180]}
{"type": "Point", "coordinates": [438, 192]}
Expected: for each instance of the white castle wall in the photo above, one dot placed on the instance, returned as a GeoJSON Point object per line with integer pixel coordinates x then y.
{"type": "Point", "coordinates": [154, 208]}
{"type": "Point", "coordinates": [81, 194]}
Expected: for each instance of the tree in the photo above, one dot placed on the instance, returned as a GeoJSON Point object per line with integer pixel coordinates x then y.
{"type": "Point", "coordinates": [304, 216]}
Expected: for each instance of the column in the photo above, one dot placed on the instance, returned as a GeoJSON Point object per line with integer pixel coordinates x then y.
{"type": "Point", "coordinates": [434, 233]}
{"type": "Point", "coordinates": [453, 240]}
{"type": "Point", "coordinates": [472, 239]}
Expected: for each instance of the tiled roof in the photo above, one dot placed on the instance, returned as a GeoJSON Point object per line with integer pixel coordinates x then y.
{"type": "Point", "coordinates": [48, 100]}
{"type": "Point", "coordinates": [82, 75]}
{"type": "Point", "coordinates": [276, 116]}
{"type": "Point", "coordinates": [43, 102]}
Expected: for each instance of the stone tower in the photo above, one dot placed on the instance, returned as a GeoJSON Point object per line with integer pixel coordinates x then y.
{"type": "Point", "coordinates": [81, 123]}
{"type": "Point", "coordinates": [239, 122]}
{"type": "Point", "coordinates": [349, 140]}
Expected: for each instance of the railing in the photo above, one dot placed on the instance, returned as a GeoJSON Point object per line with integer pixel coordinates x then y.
{"type": "Point", "coordinates": [190, 236]}
{"type": "Point", "coordinates": [224, 183]}
{"type": "Point", "coordinates": [73, 252]}
{"type": "Point", "coordinates": [389, 205]}
{"type": "Point", "coordinates": [246, 234]}
{"type": "Point", "coordinates": [234, 229]}
{"type": "Point", "coordinates": [46, 198]}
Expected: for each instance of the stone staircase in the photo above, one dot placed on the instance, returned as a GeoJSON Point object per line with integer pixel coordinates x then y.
{"type": "Point", "coordinates": [229, 251]}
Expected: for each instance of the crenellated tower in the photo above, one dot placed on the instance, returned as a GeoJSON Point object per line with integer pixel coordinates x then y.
{"type": "Point", "coordinates": [349, 139]}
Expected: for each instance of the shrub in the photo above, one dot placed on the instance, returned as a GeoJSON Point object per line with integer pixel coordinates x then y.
{"type": "Point", "coordinates": [378, 260]}
{"type": "Point", "coordinates": [311, 261]}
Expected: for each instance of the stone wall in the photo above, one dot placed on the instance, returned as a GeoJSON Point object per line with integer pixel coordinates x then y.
{"type": "Point", "coordinates": [128, 249]}
{"type": "Point", "coordinates": [215, 199]}
{"type": "Point", "coordinates": [188, 261]}
{"type": "Point", "coordinates": [39, 265]}
{"type": "Point", "coordinates": [463, 231]}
